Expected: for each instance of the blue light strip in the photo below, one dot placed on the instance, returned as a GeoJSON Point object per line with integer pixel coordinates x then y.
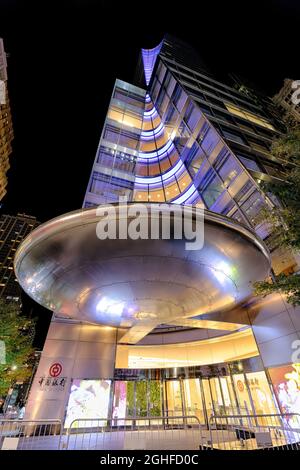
{"type": "Point", "coordinates": [149, 58]}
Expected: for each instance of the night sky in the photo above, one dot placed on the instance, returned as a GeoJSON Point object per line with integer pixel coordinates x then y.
{"type": "Point", "coordinates": [64, 57]}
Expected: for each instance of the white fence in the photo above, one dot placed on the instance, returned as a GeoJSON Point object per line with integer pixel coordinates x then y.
{"type": "Point", "coordinates": [226, 432]}
{"type": "Point", "coordinates": [254, 431]}
{"type": "Point", "coordinates": [155, 433]}
{"type": "Point", "coordinates": [19, 434]}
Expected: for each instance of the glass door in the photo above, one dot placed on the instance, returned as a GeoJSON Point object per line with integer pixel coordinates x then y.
{"type": "Point", "coordinates": [173, 398]}
{"type": "Point", "coordinates": [207, 398]}
{"type": "Point", "coordinates": [262, 398]}
{"type": "Point", "coordinates": [193, 399]}
{"type": "Point", "coordinates": [228, 395]}
{"type": "Point", "coordinates": [216, 394]}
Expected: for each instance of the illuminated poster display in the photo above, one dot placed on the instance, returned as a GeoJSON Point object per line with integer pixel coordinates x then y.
{"type": "Point", "coordinates": [286, 383]}
{"type": "Point", "coordinates": [88, 399]}
{"type": "Point", "coordinates": [119, 407]}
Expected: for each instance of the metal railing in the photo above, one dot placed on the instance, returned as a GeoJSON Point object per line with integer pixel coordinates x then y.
{"type": "Point", "coordinates": [254, 431]}
{"type": "Point", "coordinates": [225, 432]}
{"type": "Point", "coordinates": [19, 434]}
{"type": "Point", "coordinates": [149, 432]}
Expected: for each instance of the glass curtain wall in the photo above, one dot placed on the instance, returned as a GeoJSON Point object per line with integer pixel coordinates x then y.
{"type": "Point", "coordinates": [235, 393]}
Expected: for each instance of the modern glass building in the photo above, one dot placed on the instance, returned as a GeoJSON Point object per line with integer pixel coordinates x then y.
{"type": "Point", "coordinates": [179, 136]}
{"type": "Point", "coordinates": [188, 139]}
{"type": "Point", "coordinates": [13, 230]}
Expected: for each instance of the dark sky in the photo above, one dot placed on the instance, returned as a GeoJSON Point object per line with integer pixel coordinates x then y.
{"type": "Point", "coordinates": [64, 57]}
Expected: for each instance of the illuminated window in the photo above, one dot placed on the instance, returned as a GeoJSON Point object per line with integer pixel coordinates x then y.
{"type": "Point", "coordinates": [237, 111]}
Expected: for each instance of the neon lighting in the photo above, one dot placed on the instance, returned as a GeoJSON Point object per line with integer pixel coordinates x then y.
{"type": "Point", "coordinates": [185, 196]}
{"type": "Point", "coordinates": [149, 58]}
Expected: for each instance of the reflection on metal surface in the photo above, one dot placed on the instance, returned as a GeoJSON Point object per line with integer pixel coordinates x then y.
{"type": "Point", "coordinates": [209, 324]}
{"type": "Point", "coordinates": [138, 283]}
{"type": "Point", "coordinates": [137, 332]}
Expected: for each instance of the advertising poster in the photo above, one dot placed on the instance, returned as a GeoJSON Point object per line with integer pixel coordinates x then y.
{"type": "Point", "coordinates": [286, 383]}
{"type": "Point", "coordinates": [89, 399]}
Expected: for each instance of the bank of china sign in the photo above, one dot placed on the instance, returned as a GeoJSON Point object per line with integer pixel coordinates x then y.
{"type": "Point", "coordinates": [54, 380]}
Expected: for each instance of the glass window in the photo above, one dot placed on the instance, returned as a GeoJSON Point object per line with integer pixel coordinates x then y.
{"type": "Point", "coordinates": [173, 398]}
{"type": "Point", "coordinates": [182, 138]}
{"type": "Point", "coordinates": [193, 399]}
{"type": "Point", "coordinates": [252, 206]}
{"type": "Point", "coordinates": [261, 393]}
{"type": "Point", "coordinates": [192, 116]}
{"type": "Point", "coordinates": [216, 395]}
{"type": "Point", "coordinates": [227, 166]}
{"type": "Point", "coordinates": [206, 109]}
{"type": "Point", "coordinates": [141, 398]}
{"type": "Point", "coordinates": [210, 140]}
{"type": "Point", "coordinates": [154, 398]}
{"type": "Point", "coordinates": [249, 163]}
{"type": "Point", "coordinates": [207, 397]}
{"type": "Point", "coordinates": [203, 131]}
{"type": "Point", "coordinates": [242, 394]}
{"type": "Point", "coordinates": [130, 399]}
{"type": "Point", "coordinates": [248, 186]}
{"type": "Point", "coordinates": [258, 144]}
{"type": "Point", "coordinates": [129, 98]}
{"type": "Point", "coordinates": [171, 115]}
{"type": "Point", "coordinates": [179, 98]}
{"type": "Point", "coordinates": [170, 84]}
{"type": "Point", "coordinates": [124, 162]}
{"type": "Point", "coordinates": [213, 187]}
{"type": "Point", "coordinates": [193, 156]}
{"type": "Point", "coordinates": [231, 135]}
{"type": "Point", "coordinates": [155, 90]}
{"type": "Point", "coordinates": [161, 72]}
{"type": "Point", "coordinates": [237, 111]}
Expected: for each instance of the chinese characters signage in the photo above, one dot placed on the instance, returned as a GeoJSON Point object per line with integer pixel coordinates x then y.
{"type": "Point", "coordinates": [53, 381]}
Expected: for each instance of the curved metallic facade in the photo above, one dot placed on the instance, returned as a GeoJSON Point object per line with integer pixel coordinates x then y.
{"type": "Point", "coordinates": [140, 283]}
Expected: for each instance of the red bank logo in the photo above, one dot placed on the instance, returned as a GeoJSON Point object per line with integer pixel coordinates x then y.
{"type": "Point", "coordinates": [55, 370]}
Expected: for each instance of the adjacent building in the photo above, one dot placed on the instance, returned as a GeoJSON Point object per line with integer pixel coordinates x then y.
{"type": "Point", "coordinates": [288, 100]}
{"type": "Point", "coordinates": [13, 230]}
{"type": "Point", "coordinates": [6, 129]}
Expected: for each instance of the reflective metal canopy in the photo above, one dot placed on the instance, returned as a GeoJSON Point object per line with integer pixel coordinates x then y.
{"type": "Point", "coordinates": [141, 283]}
